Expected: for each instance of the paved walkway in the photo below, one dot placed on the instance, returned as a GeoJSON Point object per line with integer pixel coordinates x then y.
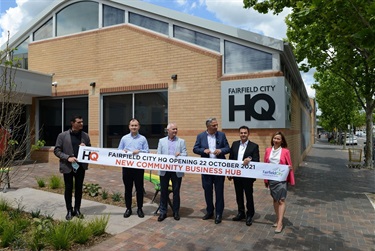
{"type": "Point", "coordinates": [328, 209]}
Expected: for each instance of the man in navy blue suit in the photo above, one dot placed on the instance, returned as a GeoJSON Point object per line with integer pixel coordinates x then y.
{"type": "Point", "coordinates": [212, 144]}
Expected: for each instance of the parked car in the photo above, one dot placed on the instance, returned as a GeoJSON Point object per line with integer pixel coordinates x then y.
{"type": "Point", "coordinates": [351, 140]}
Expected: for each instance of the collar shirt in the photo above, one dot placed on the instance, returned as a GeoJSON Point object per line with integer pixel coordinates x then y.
{"type": "Point", "coordinates": [131, 143]}
{"type": "Point", "coordinates": [211, 138]}
{"type": "Point", "coordinates": [241, 150]}
{"type": "Point", "coordinates": [172, 143]}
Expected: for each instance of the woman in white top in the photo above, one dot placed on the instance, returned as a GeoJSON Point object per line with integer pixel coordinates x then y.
{"type": "Point", "coordinates": [279, 154]}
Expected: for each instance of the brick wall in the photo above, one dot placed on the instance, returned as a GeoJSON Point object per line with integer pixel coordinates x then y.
{"type": "Point", "coordinates": [126, 57]}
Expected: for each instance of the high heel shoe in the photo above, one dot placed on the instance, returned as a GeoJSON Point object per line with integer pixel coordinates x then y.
{"type": "Point", "coordinates": [279, 231]}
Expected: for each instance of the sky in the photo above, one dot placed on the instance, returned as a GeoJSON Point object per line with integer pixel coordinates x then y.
{"type": "Point", "coordinates": [16, 13]}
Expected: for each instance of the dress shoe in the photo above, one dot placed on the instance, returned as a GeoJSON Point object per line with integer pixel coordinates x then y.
{"type": "Point", "coordinates": [77, 213]}
{"type": "Point", "coordinates": [140, 213]}
{"type": "Point", "coordinates": [249, 221]}
{"type": "Point", "coordinates": [176, 216]}
{"type": "Point", "coordinates": [162, 217]}
{"type": "Point", "coordinates": [218, 219]}
{"type": "Point", "coordinates": [239, 216]}
{"type": "Point", "coordinates": [127, 213]}
{"type": "Point", "coordinates": [69, 215]}
{"type": "Point", "coordinates": [208, 216]}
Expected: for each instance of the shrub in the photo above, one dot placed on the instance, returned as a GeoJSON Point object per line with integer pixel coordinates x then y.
{"type": "Point", "coordinates": [60, 236]}
{"type": "Point", "coordinates": [35, 214]}
{"type": "Point", "coordinates": [116, 196]}
{"type": "Point", "coordinates": [55, 182]}
{"type": "Point", "coordinates": [41, 182]}
{"type": "Point", "coordinates": [104, 194]}
{"type": "Point", "coordinates": [4, 205]}
{"type": "Point", "coordinates": [98, 225]}
{"type": "Point", "coordinates": [82, 233]}
{"type": "Point", "coordinates": [92, 189]}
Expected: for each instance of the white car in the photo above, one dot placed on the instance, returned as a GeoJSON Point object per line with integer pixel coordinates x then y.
{"type": "Point", "coordinates": [351, 140]}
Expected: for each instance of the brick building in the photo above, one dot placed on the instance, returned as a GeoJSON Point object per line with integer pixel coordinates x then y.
{"type": "Point", "coordinates": [113, 60]}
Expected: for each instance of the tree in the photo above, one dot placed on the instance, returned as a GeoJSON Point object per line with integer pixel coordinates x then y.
{"type": "Point", "coordinates": [15, 132]}
{"type": "Point", "coordinates": [338, 105]}
{"type": "Point", "coordinates": [336, 36]}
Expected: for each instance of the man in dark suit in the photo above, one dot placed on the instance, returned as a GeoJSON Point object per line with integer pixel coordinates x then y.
{"type": "Point", "coordinates": [212, 144]}
{"type": "Point", "coordinates": [246, 151]}
{"type": "Point", "coordinates": [66, 149]}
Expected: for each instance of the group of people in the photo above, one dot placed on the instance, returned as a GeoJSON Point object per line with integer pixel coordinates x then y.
{"type": "Point", "coordinates": [209, 144]}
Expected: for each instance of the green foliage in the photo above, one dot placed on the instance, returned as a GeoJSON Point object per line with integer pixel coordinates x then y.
{"type": "Point", "coordinates": [4, 204]}
{"type": "Point", "coordinates": [41, 182]}
{"type": "Point", "coordinates": [35, 214]}
{"type": "Point", "coordinates": [81, 232]}
{"type": "Point", "coordinates": [336, 101]}
{"type": "Point", "coordinates": [99, 225]}
{"type": "Point", "coordinates": [334, 36]}
{"type": "Point", "coordinates": [92, 189]}
{"type": "Point", "coordinates": [8, 235]}
{"type": "Point", "coordinates": [105, 194]}
{"type": "Point", "coordinates": [61, 236]}
{"type": "Point", "coordinates": [39, 144]}
{"type": "Point", "coordinates": [55, 182]}
{"type": "Point", "coordinates": [18, 231]}
{"type": "Point", "coordinates": [116, 196]}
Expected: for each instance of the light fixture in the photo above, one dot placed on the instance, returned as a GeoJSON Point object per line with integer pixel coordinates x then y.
{"type": "Point", "coordinates": [54, 84]}
{"type": "Point", "coordinates": [92, 84]}
{"type": "Point", "coordinates": [174, 77]}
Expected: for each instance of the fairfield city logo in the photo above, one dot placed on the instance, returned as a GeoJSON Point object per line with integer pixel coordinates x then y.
{"type": "Point", "coordinates": [89, 155]}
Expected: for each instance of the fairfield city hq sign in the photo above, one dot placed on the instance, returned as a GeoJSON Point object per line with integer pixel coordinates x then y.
{"type": "Point", "coordinates": [257, 103]}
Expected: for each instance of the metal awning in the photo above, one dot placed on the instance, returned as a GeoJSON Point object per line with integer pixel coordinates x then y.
{"type": "Point", "coordinates": [29, 84]}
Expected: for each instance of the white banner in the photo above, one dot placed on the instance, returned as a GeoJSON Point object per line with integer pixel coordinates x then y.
{"type": "Point", "coordinates": [149, 161]}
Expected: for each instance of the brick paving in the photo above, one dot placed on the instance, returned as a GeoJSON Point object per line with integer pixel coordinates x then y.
{"type": "Point", "coordinates": [327, 210]}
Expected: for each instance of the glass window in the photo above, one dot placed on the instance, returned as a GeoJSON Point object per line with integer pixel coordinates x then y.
{"type": "Point", "coordinates": [50, 116]}
{"type": "Point", "coordinates": [117, 111]}
{"type": "Point", "coordinates": [50, 112]}
{"type": "Point", "coordinates": [148, 23]}
{"type": "Point", "coordinates": [197, 38]}
{"type": "Point", "coordinates": [22, 48]}
{"type": "Point", "coordinates": [112, 16]}
{"type": "Point", "coordinates": [241, 59]}
{"type": "Point", "coordinates": [77, 17]}
{"type": "Point", "coordinates": [45, 31]}
{"type": "Point", "coordinates": [151, 109]}
{"type": "Point", "coordinates": [76, 106]}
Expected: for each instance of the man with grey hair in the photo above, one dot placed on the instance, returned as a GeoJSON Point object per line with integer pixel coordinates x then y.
{"type": "Point", "coordinates": [212, 144]}
{"type": "Point", "coordinates": [171, 145]}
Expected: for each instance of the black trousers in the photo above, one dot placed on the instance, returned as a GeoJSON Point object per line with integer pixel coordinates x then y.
{"type": "Point", "coordinates": [164, 193]}
{"type": "Point", "coordinates": [132, 176]}
{"type": "Point", "coordinates": [208, 183]}
{"type": "Point", "coordinates": [242, 185]}
{"type": "Point", "coordinates": [78, 177]}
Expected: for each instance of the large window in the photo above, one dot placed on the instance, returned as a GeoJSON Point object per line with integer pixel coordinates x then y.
{"type": "Point", "coordinates": [242, 59]}
{"type": "Point", "coordinates": [148, 23]}
{"type": "Point", "coordinates": [112, 16]}
{"type": "Point", "coordinates": [197, 38]}
{"type": "Point", "coordinates": [55, 115]}
{"type": "Point", "coordinates": [151, 109]}
{"type": "Point", "coordinates": [77, 17]}
{"type": "Point", "coordinates": [45, 31]}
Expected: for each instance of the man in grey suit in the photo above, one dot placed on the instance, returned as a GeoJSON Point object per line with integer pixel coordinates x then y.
{"type": "Point", "coordinates": [66, 149]}
{"type": "Point", "coordinates": [171, 145]}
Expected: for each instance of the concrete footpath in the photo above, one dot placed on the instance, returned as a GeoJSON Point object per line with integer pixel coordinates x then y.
{"type": "Point", "coordinates": [330, 208]}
